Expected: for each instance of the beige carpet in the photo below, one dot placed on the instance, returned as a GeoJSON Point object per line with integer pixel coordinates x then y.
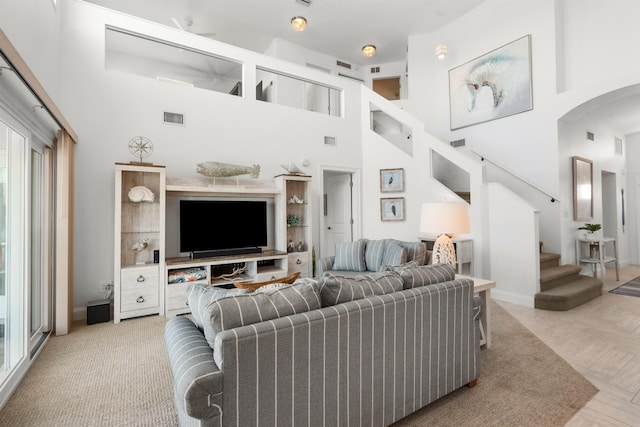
{"type": "Point", "coordinates": [118, 375]}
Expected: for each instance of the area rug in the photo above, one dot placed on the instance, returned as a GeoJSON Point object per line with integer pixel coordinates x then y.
{"type": "Point", "coordinates": [119, 375]}
{"type": "Point", "coordinates": [630, 288]}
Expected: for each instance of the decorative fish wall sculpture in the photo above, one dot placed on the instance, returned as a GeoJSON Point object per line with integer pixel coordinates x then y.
{"type": "Point", "coordinates": [217, 170]}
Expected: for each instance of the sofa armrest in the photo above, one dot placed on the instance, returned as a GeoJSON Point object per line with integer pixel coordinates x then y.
{"type": "Point", "coordinates": [196, 378]}
{"type": "Point", "coordinates": [324, 264]}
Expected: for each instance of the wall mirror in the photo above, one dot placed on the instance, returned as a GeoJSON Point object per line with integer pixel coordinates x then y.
{"type": "Point", "coordinates": [582, 189]}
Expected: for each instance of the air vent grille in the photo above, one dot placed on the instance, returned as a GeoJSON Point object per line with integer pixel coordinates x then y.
{"type": "Point", "coordinates": [343, 64]}
{"type": "Point", "coordinates": [618, 145]}
{"type": "Point", "coordinates": [458, 143]}
{"type": "Point", "coordinates": [329, 140]}
{"type": "Point", "coordinates": [591, 136]}
{"type": "Point", "coordinates": [173, 118]}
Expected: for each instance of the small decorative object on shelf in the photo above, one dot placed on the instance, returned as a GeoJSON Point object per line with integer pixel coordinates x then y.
{"type": "Point", "coordinates": [293, 220]}
{"type": "Point", "coordinates": [292, 169]}
{"type": "Point", "coordinates": [301, 247]}
{"type": "Point", "coordinates": [140, 147]}
{"type": "Point", "coordinates": [291, 246]}
{"type": "Point", "coordinates": [591, 229]}
{"type": "Point", "coordinates": [140, 193]}
{"type": "Point", "coordinates": [294, 200]}
{"type": "Point", "coordinates": [219, 170]}
{"type": "Point", "coordinates": [141, 245]}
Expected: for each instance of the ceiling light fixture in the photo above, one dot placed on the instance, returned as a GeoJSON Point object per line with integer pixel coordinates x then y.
{"type": "Point", "coordinates": [299, 23]}
{"type": "Point", "coordinates": [441, 51]}
{"type": "Point", "coordinates": [368, 50]}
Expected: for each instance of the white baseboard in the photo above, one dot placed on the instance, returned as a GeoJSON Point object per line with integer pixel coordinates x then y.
{"type": "Point", "coordinates": [524, 300]}
{"type": "Point", "coordinates": [80, 313]}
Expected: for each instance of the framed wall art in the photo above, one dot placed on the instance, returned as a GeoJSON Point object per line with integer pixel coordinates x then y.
{"type": "Point", "coordinates": [392, 209]}
{"type": "Point", "coordinates": [582, 189]}
{"type": "Point", "coordinates": [494, 85]}
{"type": "Point", "coordinates": [391, 180]}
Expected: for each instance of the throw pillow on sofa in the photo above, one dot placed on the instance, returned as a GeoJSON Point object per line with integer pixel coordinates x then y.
{"type": "Point", "coordinates": [414, 276]}
{"type": "Point", "coordinates": [350, 256]}
{"type": "Point", "coordinates": [199, 296]}
{"type": "Point", "coordinates": [394, 255]}
{"type": "Point", "coordinates": [337, 289]}
{"type": "Point", "coordinates": [241, 310]}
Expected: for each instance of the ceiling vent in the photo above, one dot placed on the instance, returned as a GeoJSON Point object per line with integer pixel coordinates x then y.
{"type": "Point", "coordinates": [343, 64]}
{"type": "Point", "coordinates": [591, 136]}
{"type": "Point", "coordinates": [173, 118]}
{"type": "Point", "coordinates": [458, 143]}
{"type": "Point", "coordinates": [304, 2]}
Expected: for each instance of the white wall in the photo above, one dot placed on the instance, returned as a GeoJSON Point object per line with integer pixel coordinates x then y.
{"type": "Point", "coordinates": [33, 27]}
{"type": "Point", "coordinates": [108, 108]}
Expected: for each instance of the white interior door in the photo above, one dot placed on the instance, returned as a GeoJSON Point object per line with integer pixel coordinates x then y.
{"type": "Point", "coordinates": [338, 223]}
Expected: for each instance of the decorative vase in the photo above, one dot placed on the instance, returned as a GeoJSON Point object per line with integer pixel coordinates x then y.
{"type": "Point", "coordinates": [594, 250]}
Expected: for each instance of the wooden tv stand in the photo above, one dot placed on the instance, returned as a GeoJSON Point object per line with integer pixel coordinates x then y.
{"type": "Point", "coordinates": [260, 267]}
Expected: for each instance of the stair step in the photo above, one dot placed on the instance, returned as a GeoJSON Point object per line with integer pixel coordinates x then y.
{"type": "Point", "coordinates": [548, 260]}
{"type": "Point", "coordinates": [558, 275]}
{"type": "Point", "coordinates": [569, 295]}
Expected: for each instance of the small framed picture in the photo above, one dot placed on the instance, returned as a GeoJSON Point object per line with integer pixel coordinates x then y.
{"type": "Point", "coordinates": [392, 209]}
{"type": "Point", "coordinates": [391, 180]}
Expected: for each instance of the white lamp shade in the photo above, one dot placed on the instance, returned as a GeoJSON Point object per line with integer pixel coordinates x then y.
{"type": "Point", "coordinates": [444, 218]}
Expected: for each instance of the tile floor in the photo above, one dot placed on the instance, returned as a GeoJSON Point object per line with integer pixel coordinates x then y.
{"type": "Point", "coordinates": [600, 339]}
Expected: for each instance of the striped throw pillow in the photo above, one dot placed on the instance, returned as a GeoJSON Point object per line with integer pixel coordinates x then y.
{"type": "Point", "coordinates": [337, 289]}
{"type": "Point", "coordinates": [199, 296]}
{"type": "Point", "coordinates": [350, 256]}
{"type": "Point", "coordinates": [242, 310]}
{"type": "Point", "coordinates": [394, 255]}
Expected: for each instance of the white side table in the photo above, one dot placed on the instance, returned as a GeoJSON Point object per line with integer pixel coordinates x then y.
{"type": "Point", "coordinates": [483, 287]}
{"type": "Point", "coordinates": [584, 256]}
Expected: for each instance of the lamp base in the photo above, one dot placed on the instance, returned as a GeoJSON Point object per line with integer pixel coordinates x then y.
{"type": "Point", "coordinates": [443, 251]}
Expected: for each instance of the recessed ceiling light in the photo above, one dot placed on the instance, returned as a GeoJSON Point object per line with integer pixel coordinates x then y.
{"type": "Point", "coordinates": [299, 23]}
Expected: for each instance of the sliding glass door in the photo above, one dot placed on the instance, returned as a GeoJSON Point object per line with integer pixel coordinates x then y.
{"type": "Point", "coordinates": [25, 248]}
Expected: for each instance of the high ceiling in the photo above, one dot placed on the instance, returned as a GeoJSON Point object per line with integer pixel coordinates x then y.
{"type": "Point", "coordinates": [335, 27]}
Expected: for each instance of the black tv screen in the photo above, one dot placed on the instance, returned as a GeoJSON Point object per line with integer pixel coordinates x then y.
{"type": "Point", "coordinates": [222, 224]}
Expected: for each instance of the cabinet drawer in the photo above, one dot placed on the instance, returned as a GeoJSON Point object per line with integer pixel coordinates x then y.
{"type": "Point", "coordinates": [177, 296]}
{"type": "Point", "coordinates": [136, 277]}
{"type": "Point", "coordinates": [139, 298]}
{"type": "Point", "coordinates": [299, 262]}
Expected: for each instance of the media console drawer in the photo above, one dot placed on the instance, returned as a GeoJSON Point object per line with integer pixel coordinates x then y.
{"type": "Point", "coordinates": [299, 263]}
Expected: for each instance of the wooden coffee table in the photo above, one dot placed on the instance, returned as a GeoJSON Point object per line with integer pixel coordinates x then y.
{"type": "Point", "coordinates": [483, 287]}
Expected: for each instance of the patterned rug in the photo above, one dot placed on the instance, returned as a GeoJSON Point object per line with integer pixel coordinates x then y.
{"type": "Point", "coordinates": [630, 288]}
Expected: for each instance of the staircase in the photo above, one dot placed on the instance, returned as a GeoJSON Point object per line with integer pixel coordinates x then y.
{"type": "Point", "coordinates": [562, 287]}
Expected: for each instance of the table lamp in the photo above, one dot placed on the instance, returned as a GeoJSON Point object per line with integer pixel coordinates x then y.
{"type": "Point", "coordinates": [444, 219]}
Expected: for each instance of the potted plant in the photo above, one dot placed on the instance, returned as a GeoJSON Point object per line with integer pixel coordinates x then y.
{"type": "Point", "coordinates": [591, 229]}
{"type": "Point", "coordinates": [594, 247]}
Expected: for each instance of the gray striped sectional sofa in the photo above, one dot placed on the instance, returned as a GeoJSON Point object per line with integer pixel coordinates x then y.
{"type": "Point", "coordinates": [362, 351]}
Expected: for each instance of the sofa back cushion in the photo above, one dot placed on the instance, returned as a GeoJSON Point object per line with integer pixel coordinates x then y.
{"type": "Point", "coordinates": [350, 256]}
{"type": "Point", "coordinates": [200, 296]}
{"type": "Point", "coordinates": [338, 289]}
{"type": "Point", "coordinates": [414, 275]}
{"type": "Point", "coordinates": [241, 310]}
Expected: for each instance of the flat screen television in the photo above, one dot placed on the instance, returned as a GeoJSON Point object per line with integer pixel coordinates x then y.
{"type": "Point", "coordinates": [222, 226]}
